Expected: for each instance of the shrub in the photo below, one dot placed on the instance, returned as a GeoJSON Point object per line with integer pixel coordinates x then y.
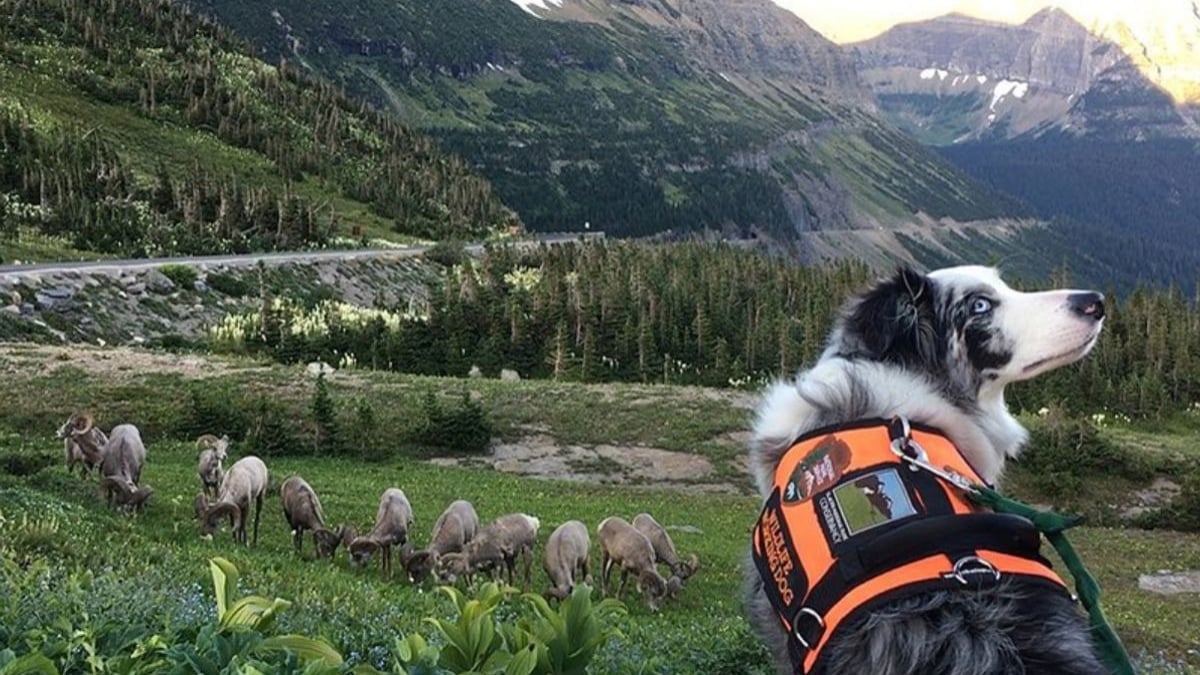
{"type": "Point", "coordinates": [228, 284]}
{"type": "Point", "coordinates": [327, 439]}
{"type": "Point", "coordinates": [447, 253]}
{"type": "Point", "coordinates": [1183, 513]}
{"type": "Point", "coordinates": [24, 463]}
{"type": "Point", "coordinates": [364, 434]}
{"type": "Point", "coordinates": [1064, 450]}
{"type": "Point", "coordinates": [273, 430]}
{"type": "Point", "coordinates": [465, 428]}
{"type": "Point", "coordinates": [214, 409]}
{"type": "Point", "coordinates": [184, 276]}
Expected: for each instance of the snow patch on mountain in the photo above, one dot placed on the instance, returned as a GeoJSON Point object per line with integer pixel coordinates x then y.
{"type": "Point", "coordinates": [528, 5]}
{"type": "Point", "coordinates": [930, 73]}
{"type": "Point", "coordinates": [1006, 87]}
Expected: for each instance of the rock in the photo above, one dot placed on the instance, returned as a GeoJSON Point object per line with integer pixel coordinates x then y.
{"type": "Point", "coordinates": [475, 373]}
{"type": "Point", "coordinates": [1170, 583]}
{"type": "Point", "coordinates": [136, 289]}
{"type": "Point", "coordinates": [26, 309]}
{"type": "Point", "coordinates": [49, 298]}
{"type": "Point", "coordinates": [157, 282]}
{"type": "Point", "coordinates": [507, 375]}
{"type": "Point", "coordinates": [199, 286]}
{"type": "Point", "coordinates": [11, 309]}
{"type": "Point", "coordinates": [319, 368]}
{"type": "Point", "coordinates": [14, 298]}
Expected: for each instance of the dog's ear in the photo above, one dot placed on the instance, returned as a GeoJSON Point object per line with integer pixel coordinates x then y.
{"type": "Point", "coordinates": [894, 321]}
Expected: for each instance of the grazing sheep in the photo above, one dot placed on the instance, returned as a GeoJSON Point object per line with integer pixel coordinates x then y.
{"type": "Point", "coordinates": [454, 528]}
{"type": "Point", "coordinates": [124, 495]}
{"type": "Point", "coordinates": [501, 542]}
{"type": "Point", "coordinates": [664, 548]}
{"type": "Point", "coordinates": [121, 462]}
{"type": "Point", "coordinates": [392, 523]}
{"type": "Point", "coordinates": [621, 544]}
{"type": "Point", "coordinates": [85, 452]}
{"type": "Point", "coordinates": [246, 480]}
{"type": "Point", "coordinates": [213, 451]}
{"type": "Point", "coordinates": [566, 559]}
{"type": "Point", "coordinates": [302, 510]}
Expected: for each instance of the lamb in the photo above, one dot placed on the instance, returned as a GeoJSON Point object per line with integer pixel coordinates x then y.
{"type": "Point", "coordinates": [454, 528]}
{"type": "Point", "coordinates": [302, 510]}
{"type": "Point", "coordinates": [86, 454]}
{"type": "Point", "coordinates": [246, 480]}
{"type": "Point", "coordinates": [664, 548]}
{"type": "Point", "coordinates": [566, 559]}
{"type": "Point", "coordinates": [621, 544]}
{"type": "Point", "coordinates": [501, 542]}
{"type": "Point", "coordinates": [393, 520]}
{"type": "Point", "coordinates": [213, 451]}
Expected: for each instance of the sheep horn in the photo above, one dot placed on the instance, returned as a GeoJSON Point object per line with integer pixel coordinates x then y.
{"type": "Point", "coordinates": [83, 423]}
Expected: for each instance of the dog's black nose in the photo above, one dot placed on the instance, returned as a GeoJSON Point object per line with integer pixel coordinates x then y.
{"type": "Point", "coordinates": [1089, 304]}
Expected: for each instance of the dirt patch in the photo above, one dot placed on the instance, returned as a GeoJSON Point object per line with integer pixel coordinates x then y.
{"type": "Point", "coordinates": [1160, 493]}
{"type": "Point", "coordinates": [113, 363]}
{"type": "Point", "coordinates": [543, 456]}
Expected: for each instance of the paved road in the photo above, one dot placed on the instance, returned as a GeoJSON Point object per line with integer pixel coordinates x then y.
{"type": "Point", "coordinates": [268, 258]}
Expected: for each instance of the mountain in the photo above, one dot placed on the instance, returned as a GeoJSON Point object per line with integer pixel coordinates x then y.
{"type": "Point", "coordinates": [956, 78]}
{"type": "Point", "coordinates": [638, 117]}
{"type": "Point", "coordinates": [1061, 117]}
{"type": "Point", "coordinates": [135, 128]}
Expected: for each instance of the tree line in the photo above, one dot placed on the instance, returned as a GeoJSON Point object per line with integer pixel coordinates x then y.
{"type": "Point", "coordinates": [695, 313]}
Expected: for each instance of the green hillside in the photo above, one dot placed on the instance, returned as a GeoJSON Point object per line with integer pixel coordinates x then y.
{"type": "Point", "coordinates": [607, 121]}
{"type": "Point", "coordinates": [136, 128]}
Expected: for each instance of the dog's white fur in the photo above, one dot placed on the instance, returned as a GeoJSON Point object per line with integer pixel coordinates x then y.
{"type": "Point", "coordinates": [1030, 333]}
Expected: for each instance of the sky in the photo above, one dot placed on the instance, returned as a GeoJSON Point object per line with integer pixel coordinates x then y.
{"type": "Point", "coordinates": [852, 20]}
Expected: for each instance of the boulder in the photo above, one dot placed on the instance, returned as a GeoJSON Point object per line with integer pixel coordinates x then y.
{"type": "Point", "coordinates": [507, 375]}
{"type": "Point", "coordinates": [137, 288]}
{"type": "Point", "coordinates": [319, 368]}
{"type": "Point", "coordinates": [49, 298]}
{"type": "Point", "coordinates": [1167, 582]}
{"type": "Point", "coordinates": [475, 373]}
{"type": "Point", "coordinates": [157, 282]}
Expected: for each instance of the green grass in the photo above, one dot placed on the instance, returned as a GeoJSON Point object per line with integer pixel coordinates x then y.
{"type": "Point", "coordinates": [160, 555]}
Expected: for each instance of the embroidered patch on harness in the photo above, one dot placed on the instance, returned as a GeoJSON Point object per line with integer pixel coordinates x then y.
{"type": "Point", "coordinates": [820, 470]}
{"type": "Point", "coordinates": [870, 500]}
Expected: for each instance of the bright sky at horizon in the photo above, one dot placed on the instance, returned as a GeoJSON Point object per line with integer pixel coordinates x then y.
{"type": "Point", "coordinates": [853, 20]}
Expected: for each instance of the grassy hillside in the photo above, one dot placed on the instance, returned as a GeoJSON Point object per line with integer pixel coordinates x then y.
{"type": "Point", "coordinates": [57, 536]}
{"type": "Point", "coordinates": [135, 128]}
{"type": "Point", "coordinates": [612, 124]}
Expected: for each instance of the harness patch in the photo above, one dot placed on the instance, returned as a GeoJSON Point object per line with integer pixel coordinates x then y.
{"type": "Point", "coordinates": [873, 499]}
{"type": "Point", "coordinates": [819, 470]}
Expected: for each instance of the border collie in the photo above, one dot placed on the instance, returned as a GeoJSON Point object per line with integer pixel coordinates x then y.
{"type": "Point", "coordinates": [938, 349]}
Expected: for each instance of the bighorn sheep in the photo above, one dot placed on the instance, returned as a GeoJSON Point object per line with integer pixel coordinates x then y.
{"type": "Point", "coordinates": [302, 510]}
{"type": "Point", "coordinates": [86, 454]}
{"type": "Point", "coordinates": [213, 451]}
{"type": "Point", "coordinates": [121, 462]}
{"type": "Point", "coordinates": [621, 544]}
{"type": "Point", "coordinates": [392, 523]}
{"type": "Point", "coordinates": [566, 559]}
{"type": "Point", "coordinates": [246, 480]}
{"type": "Point", "coordinates": [664, 548]}
{"type": "Point", "coordinates": [454, 528]}
{"type": "Point", "coordinates": [501, 541]}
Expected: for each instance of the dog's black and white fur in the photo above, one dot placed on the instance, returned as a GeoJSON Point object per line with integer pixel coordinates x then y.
{"type": "Point", "coordinates": [938, 349]}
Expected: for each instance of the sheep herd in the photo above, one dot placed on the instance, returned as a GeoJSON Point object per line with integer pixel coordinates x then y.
{"type": "Point", "coordinates": [459, 546]}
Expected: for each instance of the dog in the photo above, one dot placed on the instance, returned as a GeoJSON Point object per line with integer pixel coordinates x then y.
{"type": "Point", "coordinates": [938, 349]}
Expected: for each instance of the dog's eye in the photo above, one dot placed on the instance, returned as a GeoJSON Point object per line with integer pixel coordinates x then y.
{"type": "Point", "coordinates": [980, 306]}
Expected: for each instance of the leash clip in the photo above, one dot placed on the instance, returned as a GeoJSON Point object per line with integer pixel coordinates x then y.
{"type": "Point", "coordinates": [909, 450]}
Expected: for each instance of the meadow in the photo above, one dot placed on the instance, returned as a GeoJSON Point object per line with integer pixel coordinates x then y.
{"type": "Point", "coordinates": [84, 584]}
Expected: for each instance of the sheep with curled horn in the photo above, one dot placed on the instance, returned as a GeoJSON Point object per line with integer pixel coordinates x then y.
{"type": "Point", "coordinates": [83, 443]}
{"type": "Point", "coordinates": [245, 482]}
{"type": "Point", "coordinates": [453, 530]}
{"type": "Point", "coordinates": [621, 545]}
{"type": "Point", "coordinates": [212, 451]}
{"type": "Point", "coordinates": [393, 520]}
{"type": "Point", "coordinates": [501, 542]}
{"type": "Point", "coordinates": [302, 510]}
{"type": "Point", "coordinates": [664, 548]}
{"type": "Point", "coordinates": [566, 559]}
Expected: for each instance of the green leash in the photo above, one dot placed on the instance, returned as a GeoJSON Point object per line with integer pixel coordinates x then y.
{"type": "Point", "coordinates": [1054, 526]}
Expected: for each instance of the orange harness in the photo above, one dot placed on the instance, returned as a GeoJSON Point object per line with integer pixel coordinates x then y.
{"type": "Point", "coordinates": [851, 524]}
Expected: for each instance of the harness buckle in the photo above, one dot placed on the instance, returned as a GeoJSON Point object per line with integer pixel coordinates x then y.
{"type": "Point", "coordinates": [796, 629]}
{"type": "Point", "coordinates": [968, 567]}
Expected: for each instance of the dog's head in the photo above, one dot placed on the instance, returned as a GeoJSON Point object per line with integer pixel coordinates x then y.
{"type": "Point", "coordinates": [966, 329]}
